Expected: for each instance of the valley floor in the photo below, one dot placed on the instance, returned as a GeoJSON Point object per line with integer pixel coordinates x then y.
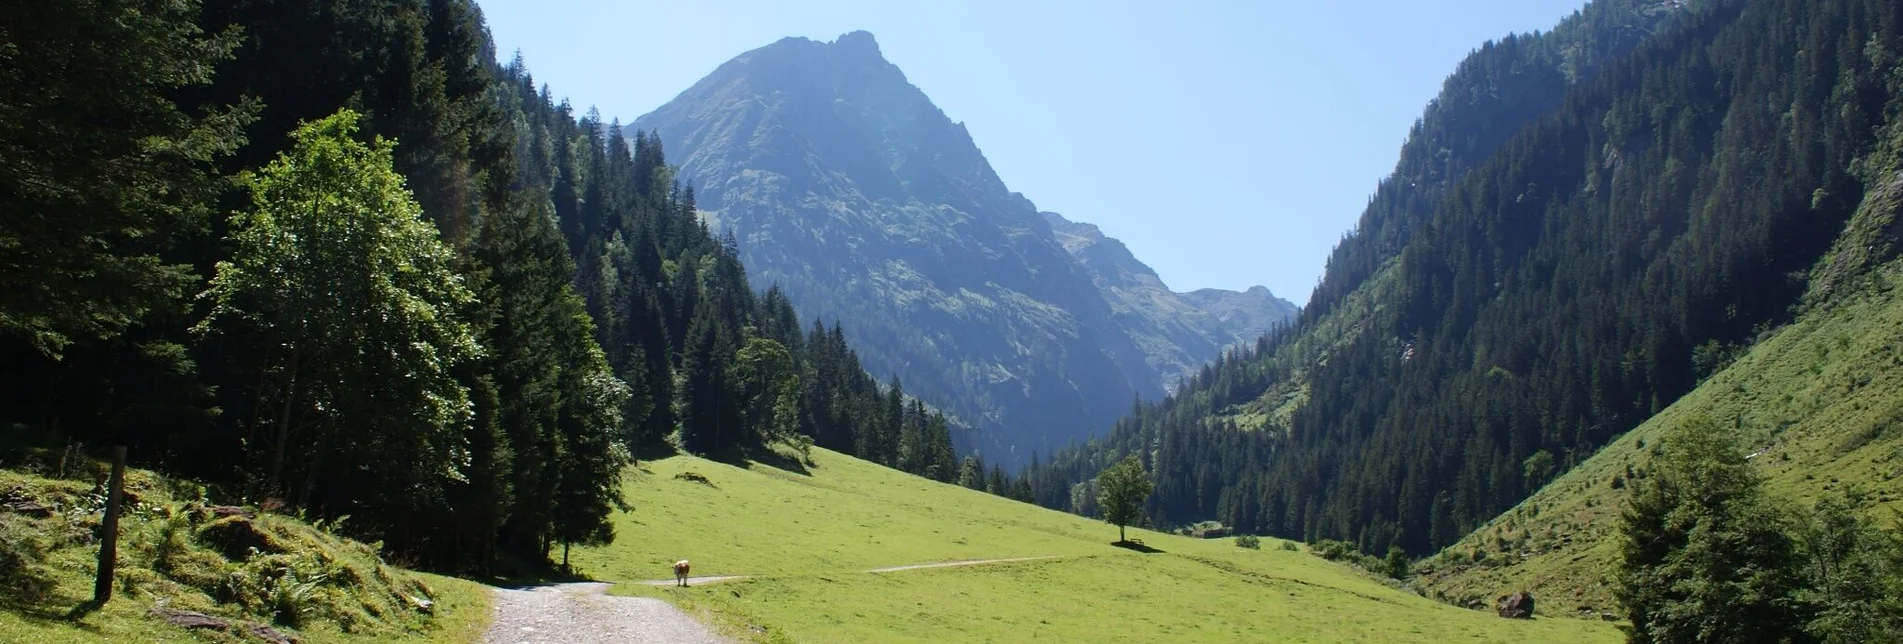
{"type": "Point", "coordinates": [833, 553]}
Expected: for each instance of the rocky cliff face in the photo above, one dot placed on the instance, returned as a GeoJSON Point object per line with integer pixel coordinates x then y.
{"type": "Point", "coordinates": [845, 185]}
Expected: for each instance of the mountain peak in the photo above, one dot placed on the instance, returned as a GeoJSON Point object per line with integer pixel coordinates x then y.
{"type": "Point", "coordinates": [858, 42]}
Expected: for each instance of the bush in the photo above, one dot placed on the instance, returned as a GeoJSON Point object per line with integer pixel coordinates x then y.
{"type": "Point", "coordinates": [1345, 552]}
{"type": "Point", "coordinates": [1248, 541]}
{"type": "Point", "coordinates": [1397, 563]}
{"type": "Point", "coordinates": [1291, 547]}
{"type": "Point", "coordinates": [1333, 550]}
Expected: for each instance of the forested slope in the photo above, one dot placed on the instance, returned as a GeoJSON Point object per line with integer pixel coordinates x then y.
{"type": "Point", "coordinates": [1814, 403]}
{"type": "Point", "coordinates": [1575, 281]}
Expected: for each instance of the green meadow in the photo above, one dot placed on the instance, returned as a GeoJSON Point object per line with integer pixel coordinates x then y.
{"type": "Point", "coordinates": [804, 540]}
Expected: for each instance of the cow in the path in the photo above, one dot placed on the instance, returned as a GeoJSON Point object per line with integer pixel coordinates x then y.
{"type": "Point", "coordinates": [680, 573]}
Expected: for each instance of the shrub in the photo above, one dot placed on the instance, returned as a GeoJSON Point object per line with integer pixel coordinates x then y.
{"type": "Point", "coordinates": [1248, 541]}
{"type": "Point", "coordinates": [1396, 563]}
{"type": "Point", "coordinates": [1291, 547]}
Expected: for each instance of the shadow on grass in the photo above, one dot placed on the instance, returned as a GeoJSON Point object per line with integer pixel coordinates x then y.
{"type": "Point", "coordinates": [46, 611]}
{"type": "Point", "coordinates": [775, 459]}
{"type": "Point", "coordinates": [517, 572]}
{"type": "Point", "coordinates": [743, 458]}
{"type": "Point", "coordinates": [1137, 546]}
{"type": "Point", "coordinates": [651, 451]}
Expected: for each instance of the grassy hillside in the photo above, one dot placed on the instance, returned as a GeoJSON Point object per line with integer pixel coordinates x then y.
{"type": "Point", "coordinates": [176, 552]}
{"type": "Point", "coordinates": [1817, 401]}
{"type": "Point", "coordinates": [805, 540]}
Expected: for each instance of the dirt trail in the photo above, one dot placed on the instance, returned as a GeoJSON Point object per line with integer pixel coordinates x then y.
{"type": "Point", "coordinates": [944, 564]}
{"type": "Point", "coordinates": [583, 614]}
{"type": "Point", "coordinates": [950, 564]}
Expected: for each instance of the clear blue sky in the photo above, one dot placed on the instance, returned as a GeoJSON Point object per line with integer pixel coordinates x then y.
{"type": "Point", "coordinates": [1227, 143]}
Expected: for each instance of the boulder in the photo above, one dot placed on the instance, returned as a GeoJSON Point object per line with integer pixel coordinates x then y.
{"type": "Point", "coordinates": [33, 509]}
{"type": "Point", "coordinates": [1517, 605]}
{"type": "Point", "coordinates": [189, 619]}
{"type": "Point", "coordinates": [222, 511]}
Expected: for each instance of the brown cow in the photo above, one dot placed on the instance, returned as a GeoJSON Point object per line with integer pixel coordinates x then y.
{"type": "Point", "coordinates": [680, 573]}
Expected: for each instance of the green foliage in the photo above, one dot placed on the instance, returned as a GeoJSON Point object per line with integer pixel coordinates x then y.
{"type": "Point", "coordinates": [176, 552]}
{"type": "Point", "coordinates": [1539, 466]}
{"type": "Point", "coordinates": [92, 208]}
{"type": "Point", "coordinates": [1705, 557]}
{"type": "Point", "coordinates": [1396, 563]}
{"type": "Point", "coordinates": [459, 340]}
{"type": "Point", "coordinates": [1249, 541]}
{"type": "Point", "coordinates": [335, 270]}
{"type": "Point", "coordinates": [1122, 491]}
{"type": "Point", "coordinates": [1819, 428]}
{"type": "Point", "coordinates": [769, 389]}
{"type": "Point", "coordinates": [1853, 572]}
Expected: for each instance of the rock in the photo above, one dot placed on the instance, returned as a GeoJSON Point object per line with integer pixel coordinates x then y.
{"type": "Point", "coordinates": [1607, 616]}
{"type": "Point", "coordinates": [421, 605]}
{"type": "Point", "coordinates": [222, 511]}
{"type": "Point", "coordinates": [268, 634]}
{"type": "Point", "coordinates": [1517, 605]}
{"type": "Point", "coordinates": [189, 619]}
{"type": "Point", "coordinates": [29, 508]}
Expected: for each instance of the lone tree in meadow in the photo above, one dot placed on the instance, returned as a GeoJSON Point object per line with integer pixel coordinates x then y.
{"type": "Point", "coordinates": [1121, 491]}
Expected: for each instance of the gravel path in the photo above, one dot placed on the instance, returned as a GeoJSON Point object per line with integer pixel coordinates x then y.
{"type": "Point", "coordinates": [695, 581]}
{"type": "Point", "coordinates": [583, 614]}
{"type": "Point", "coordinates": [949, 564]}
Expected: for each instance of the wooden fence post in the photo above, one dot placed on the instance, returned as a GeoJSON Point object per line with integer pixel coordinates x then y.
{"type": "Point", "coordinates": [109, 546]}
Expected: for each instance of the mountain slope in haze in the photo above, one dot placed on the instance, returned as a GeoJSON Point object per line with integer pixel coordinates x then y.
{"type": "Point", "coordinates": [1246, 315]}
{"type": "Point", "coordinates": [844, 185]}
{"type": "Point", "coordinates": [1177, 332]}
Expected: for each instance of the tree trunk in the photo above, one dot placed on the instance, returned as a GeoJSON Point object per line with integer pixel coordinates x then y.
{"type": "Point", "coordinates": [1120, 535]}
{"type": "Point", "coordinates": [109, 544]}
{"type": "Point", "coordinates": [284, 429]}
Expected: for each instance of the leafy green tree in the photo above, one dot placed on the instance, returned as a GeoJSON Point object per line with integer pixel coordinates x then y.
{"type": "Point", "coordinates": [1396, 562]}
{"type": "Point", "coordinates": [1704, 557]}
{"type": "Point", "coordinates": [103, 170]}
{"type": "Point", "coordinates": [1121, 491]}
{"type": "Point", "coordinates": [769, 390]}
{"type": "Point", "coordinates": [349, 297]}
{"type": "Point", "coordinates": [1853, 574]}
